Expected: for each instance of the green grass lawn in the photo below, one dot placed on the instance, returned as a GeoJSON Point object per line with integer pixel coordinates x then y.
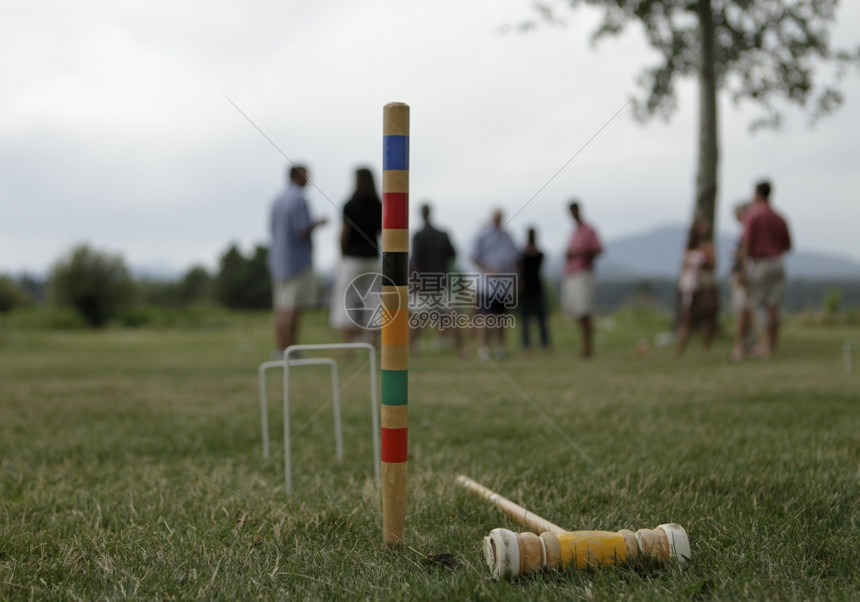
{"type": "Point", "coordinates": [131, 467]}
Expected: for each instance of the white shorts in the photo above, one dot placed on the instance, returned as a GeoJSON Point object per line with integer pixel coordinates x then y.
{"type": "Point", "coordinates": [740, 297]}
{"type": "Point", "coordinates": [577, 294]}
{"type": "Point", "coordinates": [296, 292]}
{"type": "Point", "coordinates": [349, 269]}
{"type": "Point", "coordinates": [766, 278]}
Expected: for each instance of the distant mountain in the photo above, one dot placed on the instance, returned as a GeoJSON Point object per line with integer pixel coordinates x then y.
{"type": "Point", "coordinates": [157, 271]}
{"type": "Point", "coordinates": [821, 265]}
{"type": "Point", "coordinates": [657, 254]}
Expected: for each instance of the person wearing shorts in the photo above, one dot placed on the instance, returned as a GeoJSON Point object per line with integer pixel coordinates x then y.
{"type": "Point", "coordinates": [764, 242]}
{"type": "Point", "coordinates": [740, 301]}
{"type": "Point", "coordinates": [578, 285]}
{"type": "Point", "coordinates": [495, 256]}
{"type": "Point", "coordinates": [290, 257]}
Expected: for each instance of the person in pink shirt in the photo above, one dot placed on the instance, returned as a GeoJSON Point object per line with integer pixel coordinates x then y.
{"type": "Point", "coordinates": [765, 239]}
{"type": "Point", "coordinates": [578, 285]}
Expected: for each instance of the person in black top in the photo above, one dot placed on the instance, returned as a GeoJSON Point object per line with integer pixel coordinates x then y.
{"type": "Point", "coordinates": [430, 263]}
{"type": "Point", "coordinates": [532, 301]}
{"type": "Point", "coordinates": [362, 219]}
{"type": "Point", "coordinates": [353, 311]}
{"type": "Point", "coordinates": [432, 251]}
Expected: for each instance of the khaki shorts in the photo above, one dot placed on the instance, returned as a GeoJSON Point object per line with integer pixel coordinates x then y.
{"type": "Point", "coordinates": [766, 278]}
{"type": "Point", "coordinates": [577, 294]}
{"type": "Point", "coordinates": [296, 292]}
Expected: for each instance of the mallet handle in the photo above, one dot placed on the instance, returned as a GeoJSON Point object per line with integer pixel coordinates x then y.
{"type": "Point", "coordinates": [529, 519]}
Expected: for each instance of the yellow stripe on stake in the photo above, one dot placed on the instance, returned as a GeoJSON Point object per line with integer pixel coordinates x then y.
{"type": "Point", "coordinates": [395, 304]}
{"type": "Point", "coordinates": [396, 331]}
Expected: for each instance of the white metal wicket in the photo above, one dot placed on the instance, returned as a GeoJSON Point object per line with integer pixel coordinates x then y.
{"type": "Point", "coordinates": [286, 364]}
{"type": "Point", "coordinates": [335, 396]}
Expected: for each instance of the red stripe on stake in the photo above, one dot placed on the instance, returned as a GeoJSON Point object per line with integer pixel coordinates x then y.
{"type": "Point", "coordinates": [395, 210]}
{"type": "Point", "coordinates": [394, 445]}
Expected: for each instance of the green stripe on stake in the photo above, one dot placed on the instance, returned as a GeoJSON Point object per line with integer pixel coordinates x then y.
{"type": "Point", "coordinates": [395, 387]}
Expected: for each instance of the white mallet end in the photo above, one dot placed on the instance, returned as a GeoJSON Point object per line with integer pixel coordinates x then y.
{"type": "Point", "coordinates": [679, 543]}
{"type": "Point", "coordinates": [502, 553]}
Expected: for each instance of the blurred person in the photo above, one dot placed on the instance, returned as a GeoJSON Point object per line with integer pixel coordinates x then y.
{"type": "Point", "coordinates": [531, 300]}
{"type": "Point", "coordinates": [431, 261]}
{"type": "Point", "coordinates": [290, 257]}
{"type": "Point", "coordinates": [744, 327]}
{"type": "Point", "coordinates": [359, 246]}
{"type": "Point", "coordinates": [495, 256]}
{"type": "Point", "coordinates": [698, 286]}
{"type": "Point", "coordinates": [765, 240]}
{"type": "Point", "coordinates": [578, 284]}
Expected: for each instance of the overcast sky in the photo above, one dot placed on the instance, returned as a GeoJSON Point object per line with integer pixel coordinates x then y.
{"type": "Point", "coordinates": [115, 129]}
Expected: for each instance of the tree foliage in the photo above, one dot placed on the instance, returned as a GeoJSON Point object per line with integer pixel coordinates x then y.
{"type": "Point", "coordinates": [11, 295]}
{"type": "Point", "coordinates": [765, 51]}
{"type": "Point", "coordinates": [762, 51]}
{"type": "Point", "coordinates": [96, 284]}
{"type": "Point", "coordinates": [243, 283]}
{"type": "Point", "coordinates": [195, 286]}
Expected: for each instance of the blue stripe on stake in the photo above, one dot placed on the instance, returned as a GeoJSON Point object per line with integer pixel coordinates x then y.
{"type": "Point", "coordinates": [395, 152]}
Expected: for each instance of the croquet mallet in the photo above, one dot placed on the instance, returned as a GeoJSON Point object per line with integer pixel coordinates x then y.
{"type": "Point", "coordinates": [518, 554]}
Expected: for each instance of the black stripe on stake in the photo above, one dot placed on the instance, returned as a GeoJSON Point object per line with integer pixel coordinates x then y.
{"type": "Point", "coordinates": [395, 267]}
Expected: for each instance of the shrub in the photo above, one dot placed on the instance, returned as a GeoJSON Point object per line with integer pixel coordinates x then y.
{"type": "Point", "coordinates": [243, 283]}
{"type": "Point", "coordinates": [94, 283]}
{"type": "Point", "coordinates": [196, 285]}
{"type": "Point", "coordinates": [11, 295]}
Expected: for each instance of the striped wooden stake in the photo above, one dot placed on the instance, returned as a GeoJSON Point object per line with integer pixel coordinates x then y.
{"type": "Point", "coordinates": [395, 324]}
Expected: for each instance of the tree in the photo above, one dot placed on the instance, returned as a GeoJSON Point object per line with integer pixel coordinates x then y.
{"type": "Point", "coordinates": [193, 287]}
{"type": "Point", "coordinates": [164, 293]}
{"type": "Point", "coordinates": [11, 295]}
{"type": "Point", "coordinates": [763, 51]}
{"type": "Point", "coordinates": [94, 283]}
{"type": "Point", "coordinates": [243, 283]}
{"type": "Point", "coordinates": [196, 285]}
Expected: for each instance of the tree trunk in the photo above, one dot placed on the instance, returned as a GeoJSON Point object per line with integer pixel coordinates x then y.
{"type": "Point", "coordinates": [706, 177]}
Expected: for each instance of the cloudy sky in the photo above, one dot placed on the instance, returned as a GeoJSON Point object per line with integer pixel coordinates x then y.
{"type": "Point", "coordinates": [117, 131]}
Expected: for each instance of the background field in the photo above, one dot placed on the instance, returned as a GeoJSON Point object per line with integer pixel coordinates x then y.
{"type": "Point", "coordinates": [131, 466]}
